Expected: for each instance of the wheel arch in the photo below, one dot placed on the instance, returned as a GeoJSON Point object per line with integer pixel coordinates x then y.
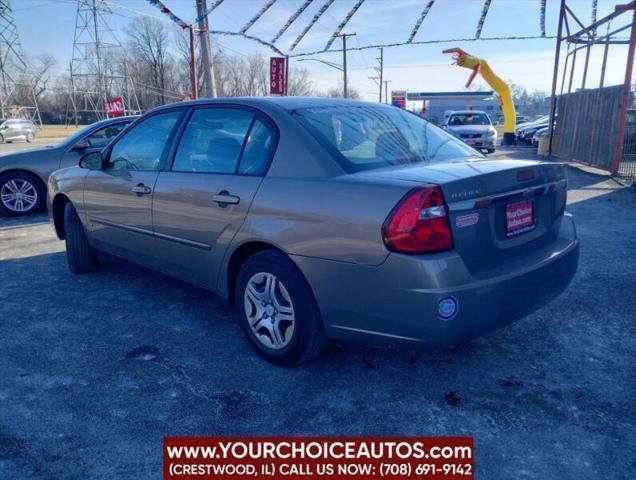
{"type": "Point", "coordinates": [238, 258]}
{"type": "Point", "coordinates": [57, 206]}
{"type": "Point", "coordinates": [25, 170]}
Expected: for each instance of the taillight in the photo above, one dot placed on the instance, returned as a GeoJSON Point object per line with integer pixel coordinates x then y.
{"type": "Point", "coordinates": [419, 223]}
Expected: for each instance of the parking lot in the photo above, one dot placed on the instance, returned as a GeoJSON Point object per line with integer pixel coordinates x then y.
{"type": "Point", "coordinates": [96, 369]}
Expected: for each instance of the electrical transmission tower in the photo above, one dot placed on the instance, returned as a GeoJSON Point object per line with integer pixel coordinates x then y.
{"type": "Point", "coordinates": [99, 69]}
{"type": "Point", "coordinates": [17, 93]}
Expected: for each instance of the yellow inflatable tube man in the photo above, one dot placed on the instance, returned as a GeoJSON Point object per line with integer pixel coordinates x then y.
{"type": "Point", "coordinates": [479, 65]}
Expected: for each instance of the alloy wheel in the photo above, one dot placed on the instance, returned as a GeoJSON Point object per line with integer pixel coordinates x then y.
{"type": "Point", "coordinates": [19, 195]}
{"type": "Point", "coordinates": [269, 310]}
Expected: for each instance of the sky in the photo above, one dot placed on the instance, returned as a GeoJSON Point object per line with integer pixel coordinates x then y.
{"type": "Point", "coordinates": [47, 26]}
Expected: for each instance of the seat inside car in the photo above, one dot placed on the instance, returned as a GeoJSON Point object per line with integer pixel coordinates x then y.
{"type": "Point", "coordinates": [223, 151]}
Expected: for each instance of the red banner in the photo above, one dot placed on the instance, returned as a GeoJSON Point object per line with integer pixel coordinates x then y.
{"type": "Point", "coordinates": [277, 76]}
{"type": "Point", "coordinates": [115, 107]}
{"type": "Point", "coordinates": [302, 458]}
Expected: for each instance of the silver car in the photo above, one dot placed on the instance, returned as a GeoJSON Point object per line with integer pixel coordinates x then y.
{"type": "Point", "coordinates": [320, 218]}
{"type": "Point", "coordinates": [474, 128]}
{"type": "Point", "coordinates": [17, 129]}
{"type": "Point", "coordinates": [23, 175]}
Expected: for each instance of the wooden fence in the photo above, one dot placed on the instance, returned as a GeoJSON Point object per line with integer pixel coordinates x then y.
{"type": "Point", "coordinates": [586, 126]}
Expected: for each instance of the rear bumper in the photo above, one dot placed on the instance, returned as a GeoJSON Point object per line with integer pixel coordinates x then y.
{"type": "Point", "coordinates": [487, 143]}
{"type": "Point", "coordinates": [400, 299]}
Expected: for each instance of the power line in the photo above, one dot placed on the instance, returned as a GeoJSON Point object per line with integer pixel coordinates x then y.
{"type": "Point", "coordinates": [425, 42]}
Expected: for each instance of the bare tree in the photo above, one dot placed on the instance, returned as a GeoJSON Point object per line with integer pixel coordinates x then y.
{"type": "Point", "coordinates": [338, 92]}
{"type": "Point", "coordinates": [42, 71]}
{"type": "Point", "coordinates": [149, 42]}
{"type": "Point", "coordinates": [299, 84]}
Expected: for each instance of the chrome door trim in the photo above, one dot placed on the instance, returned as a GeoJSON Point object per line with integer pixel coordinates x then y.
{"type": "Point", "coordinates": [143, 231]}
{"type": "Point", "coordinates": [130, 228]}
{"type": "Point", "coordinates": [184, 241]}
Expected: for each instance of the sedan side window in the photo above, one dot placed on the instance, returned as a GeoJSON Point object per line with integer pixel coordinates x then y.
{"type": "Point", "coordinates": [258, 150]}
{"type": "Point", "coordinates": [142, 148]}
{"type": "Point", "coordinates": [103, 136]}
{"type": "Point", "coordinates": [212, 140]}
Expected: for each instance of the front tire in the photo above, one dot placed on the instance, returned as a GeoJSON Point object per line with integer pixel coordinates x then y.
{"type": "Point", "coordinates": [21, 193]}
{"type": "Point", "coordinates": [277, 310]}
{"type": "Point", "coordinates": [29, 137]}
{"type": "Point", "coordinates": [80, 256]}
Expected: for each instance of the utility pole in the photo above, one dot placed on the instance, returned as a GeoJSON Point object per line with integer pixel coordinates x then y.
{"type": "Point", "coordinates": [381, 59]}
{"type": "Point", "coordinates": [344, 60]}
{"type": "Point", "coordinates": [193, 65]}
{"type": "Point", "coordinates": [386, 91]}
{"type": "Point", "coordinates": [206, 50]}
{"type": "Point", "coordinates": [380, 69]}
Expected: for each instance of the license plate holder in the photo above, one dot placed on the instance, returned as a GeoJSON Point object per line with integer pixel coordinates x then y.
{"type": "Point", "coordinates": [519, 218]}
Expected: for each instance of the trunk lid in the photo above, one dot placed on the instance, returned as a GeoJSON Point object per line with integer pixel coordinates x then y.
{"type": "Point", "coordinates": [498, 209]}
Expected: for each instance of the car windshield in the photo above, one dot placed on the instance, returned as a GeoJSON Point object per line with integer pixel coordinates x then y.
{"type": "Point", "coordinates": [461, 119]}
{"type": "Point", "coordinates": [367, 137]}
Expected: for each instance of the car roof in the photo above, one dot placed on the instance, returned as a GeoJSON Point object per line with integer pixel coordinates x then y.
{"type": "Point", "coordinates": [110, 121]}
{"type": "Point", "coordinates": [287, 103]}
{"type": "Point", "coordinates": [467, 112]}
{"type": "Point", "coordinates": [106, 121]}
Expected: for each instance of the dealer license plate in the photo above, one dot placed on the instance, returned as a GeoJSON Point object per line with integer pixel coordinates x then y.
{"type": "Point", "coordinates": [519, 218]}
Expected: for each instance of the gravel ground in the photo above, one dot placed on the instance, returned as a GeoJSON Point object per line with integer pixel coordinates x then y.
{"type": "Point", "coordinates": [96, 369]}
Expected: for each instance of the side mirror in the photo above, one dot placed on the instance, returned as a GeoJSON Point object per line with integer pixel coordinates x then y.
{"type": "Point", "coordinates": [81, 145]}
{"type": "Point", "coordinates": [92, 161]}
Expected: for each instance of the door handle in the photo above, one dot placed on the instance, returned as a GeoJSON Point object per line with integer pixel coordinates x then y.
{"type": "Point", "coordinates": [224, 198]}
{"type": "Point", "coordinates": [141, 189]}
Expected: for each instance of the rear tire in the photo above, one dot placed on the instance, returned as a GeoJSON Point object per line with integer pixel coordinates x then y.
{"type": "Point", "coordinates": [285, 327]}
{"type": "Point", "coordinates": [1, 138]}
{"type": "Point", "coordinates": [80, 256]}
{"type": "Point", "coordinates": [29, 137]}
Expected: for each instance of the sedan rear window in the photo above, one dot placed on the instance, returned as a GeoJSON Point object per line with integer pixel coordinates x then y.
{"type": "Point", "coordinates": [366, 137]}
{"type": "Point", "coordinates": [461, 119]}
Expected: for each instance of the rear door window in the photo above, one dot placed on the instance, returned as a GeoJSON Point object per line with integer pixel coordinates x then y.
{"type": "Point", "coordinates": [213, 140]}
{"type": "Point", "coordinates": [258, 149]}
